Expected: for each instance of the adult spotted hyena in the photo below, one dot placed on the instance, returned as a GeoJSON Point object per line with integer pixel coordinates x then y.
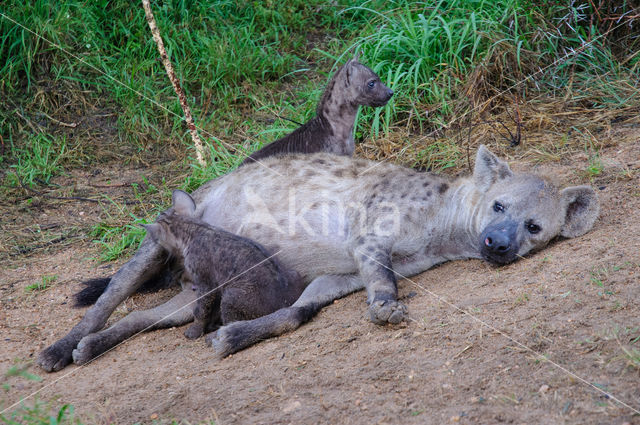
{"type": "Point", "coordinates": [346, 224]}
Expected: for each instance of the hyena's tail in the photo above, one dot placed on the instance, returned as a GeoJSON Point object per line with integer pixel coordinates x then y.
{"type": "Point", "coordinates": [91, 292]}
{"type": "Point", "coordinates": [96, 287]}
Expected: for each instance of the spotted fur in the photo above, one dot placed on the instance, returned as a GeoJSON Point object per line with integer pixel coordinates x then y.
{"type": "Point", "coordinates": [331, 129]}
{"type": "Point", "coordinates": [347, 224]}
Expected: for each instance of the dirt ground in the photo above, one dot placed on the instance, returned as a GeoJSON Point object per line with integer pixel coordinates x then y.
{"type": "Point", "coordinates": [537, 341]}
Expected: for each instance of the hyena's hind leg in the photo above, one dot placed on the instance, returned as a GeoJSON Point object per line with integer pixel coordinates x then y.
{"type": "Point", "coordinates": [321, 291]}
{"type": "Point", "coordinates": [206, 313]}
{"type": "Point", "coordinates": [175, 312]}
{"type": "Point", "coordinates": [144, 264]}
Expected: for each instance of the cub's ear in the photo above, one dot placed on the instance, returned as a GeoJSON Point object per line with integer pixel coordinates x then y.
{"type": "Point", "coordinates": [489, 169]}
{"type": "Point", "coordinates": [348, 69]}
{"type": "Point", "coordinates": [581, 207]}
{"type": "Point", "coordinates": [356, 57]}
{"type": "Point", "coordinates": [351, 68]}
{"type": "Point", "coordinates": [183, 203]}
{"type": "Point", "coordinates": [153, 231]}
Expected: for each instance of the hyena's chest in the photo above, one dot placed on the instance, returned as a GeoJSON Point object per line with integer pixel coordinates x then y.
{"type": "Point", "coordinates": [315, 218]}
{"type": "Point", "coordinates": [310, 234]}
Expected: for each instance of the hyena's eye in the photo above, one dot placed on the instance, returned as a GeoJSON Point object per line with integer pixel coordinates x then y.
{"type": "Point", "coordinates": [532, 227]}
{"type": "Point", "coordinates": [371, 84]}
{"type": "Point", "coordinates": [498, 207]}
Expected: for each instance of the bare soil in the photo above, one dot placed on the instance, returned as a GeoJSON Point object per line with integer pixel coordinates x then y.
{"type": "Point", "coordinates": [531, 342]}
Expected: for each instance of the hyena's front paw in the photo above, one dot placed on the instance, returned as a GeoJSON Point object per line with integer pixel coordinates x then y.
{"type": "Point", "coordinates": [194, 331]}
{"type": "Point", "coordinates": [88, 348]}
{"type": "Point", "coordinates": [226, 340]}
{"type": "Point", "coordinates": [382, 312]}
{"type": "Point", "coordinates": [55, 357]}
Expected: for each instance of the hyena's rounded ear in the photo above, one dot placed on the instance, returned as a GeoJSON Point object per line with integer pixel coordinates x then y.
{"type": "Point", "coordinates": [351, 68]}
{"type": "Point", "coordinates": [153, 230]}
{"type": "Point", "coordinates": [183, 203]}
{"type": "Point", "coordinates": [581, 206]}
{"type": "Point", "coordinates": [489, 169]}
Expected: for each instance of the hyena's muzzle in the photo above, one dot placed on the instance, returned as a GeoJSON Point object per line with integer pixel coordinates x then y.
{"type": "Point", "coordinates": [499, 242]}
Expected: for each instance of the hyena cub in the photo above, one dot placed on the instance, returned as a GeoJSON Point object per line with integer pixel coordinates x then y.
{"type": "Point", "coordinates": [235, 278]}
{"type": "Point", "coordinates": [331, 130]}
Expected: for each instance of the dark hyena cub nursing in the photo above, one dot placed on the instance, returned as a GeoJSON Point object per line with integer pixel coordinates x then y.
{"type": "Point", "coordinates": [331, 130]}
{"type": "Point", "coordinates": [234, 277]}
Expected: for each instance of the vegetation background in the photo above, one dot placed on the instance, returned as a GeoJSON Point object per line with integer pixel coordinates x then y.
{"type": "Point", "coordinates": [81, 86]}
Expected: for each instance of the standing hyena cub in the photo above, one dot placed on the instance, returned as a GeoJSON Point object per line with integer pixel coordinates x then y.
{"type": "Point", "coordinates": [331, 130]}
{"type": "Point", "coordinates": [234, 277]}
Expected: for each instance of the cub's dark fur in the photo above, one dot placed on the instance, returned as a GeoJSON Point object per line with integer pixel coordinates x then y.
{"type": "Point", "coordinates": [235, 278]}
{"type": "Point", "coordinates": [331, 130]}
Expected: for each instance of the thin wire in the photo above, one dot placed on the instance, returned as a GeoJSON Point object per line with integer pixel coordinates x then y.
{"type": "Point", "coordinates": [136, 334]}
{"type": "Point", "coordinates": [504, 334]}
{"type": "Point", "coordinates": [577, 51]}
{"type": "Point", "coordinates": [158, 104]}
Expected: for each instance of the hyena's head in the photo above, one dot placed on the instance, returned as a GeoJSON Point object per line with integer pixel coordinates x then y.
{"type": "Point", "coordinates": [166, 231]}
{"type": "Point", "coordinates": [523, 212]}
{"type": "Point", "coordinates": [363, 86]}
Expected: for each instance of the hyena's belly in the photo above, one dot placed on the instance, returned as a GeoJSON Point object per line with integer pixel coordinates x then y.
{"type": "Point", "coordinates": [310, 238]}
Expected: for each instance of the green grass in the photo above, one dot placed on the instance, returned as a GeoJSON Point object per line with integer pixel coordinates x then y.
{"type": "Point", "coordinates": [236, 56]}
{"type": "Point", "coordinates": [118, 240]}
{"type": "Point", "coordinates": [39, 159]}
{"type": "Point", "coordinates": [33, 412]}
{"type": "Point", "coordinates": [40, 413]}
{"type": "Point", "coordinates": [44, 283]}
{"type": "Point", "coordinates": [229, 50]}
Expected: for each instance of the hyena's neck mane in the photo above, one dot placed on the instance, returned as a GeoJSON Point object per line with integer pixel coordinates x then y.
{"type": "Point", "coordinates": [456, 228]}
{"type": "Point", "coordinates": [336, 111]}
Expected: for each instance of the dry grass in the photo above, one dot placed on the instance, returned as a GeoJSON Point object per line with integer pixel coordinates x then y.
{"type": "Point", "coordinates": [550, 129]}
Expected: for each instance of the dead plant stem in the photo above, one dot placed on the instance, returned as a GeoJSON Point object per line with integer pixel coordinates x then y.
{"type": "Point", "coordinates": [174, 81]}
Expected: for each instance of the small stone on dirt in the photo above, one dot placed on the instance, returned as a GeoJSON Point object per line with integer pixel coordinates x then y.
{"type": "Point", "coordinates": [291, 406]}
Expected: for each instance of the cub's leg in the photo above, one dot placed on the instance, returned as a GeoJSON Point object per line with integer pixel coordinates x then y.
{"type": "Point", "coordinates": [206, 313]}
{"type": "Point", "coordinates": [320, 292]}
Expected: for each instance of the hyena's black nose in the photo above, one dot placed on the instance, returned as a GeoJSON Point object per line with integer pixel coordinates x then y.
{"type": "Point", "coordinates": [389, 93]}
{"type": "Point", "coordinates": [498, 242]}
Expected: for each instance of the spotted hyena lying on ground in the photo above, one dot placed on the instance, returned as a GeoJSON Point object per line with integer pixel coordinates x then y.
{"type": "Point", "coordinates": [346, 224]}
{"type": "Point", "coordinates": [234, 277]}
{"type": "Point", "coordinates": [331, 130]}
